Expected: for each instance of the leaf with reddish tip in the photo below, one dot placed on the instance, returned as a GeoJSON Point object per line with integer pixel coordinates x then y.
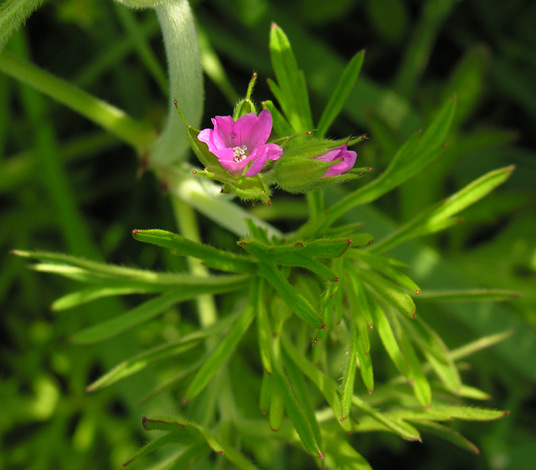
{"type": "Point", "coordinates": [296, 413]}
{"type": "Point", "coordinates": [266, 393]}
{"type": "Point", "coordinates": [302, 394]}
{"type": "Point", "coordinates": [450, 435]}
{"type": "Point", "coordinates": [448, 413]}
{"type": "Point", "coordinates": [470, 295]}
{"type": "Point", "coordinates": [384, 266]}
{"type": "Point", "coordinates": [277, 407]}
{"type": "Point", "coordinates": [421, 386]}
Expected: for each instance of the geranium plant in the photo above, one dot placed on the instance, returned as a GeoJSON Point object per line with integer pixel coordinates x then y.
{"type": "Point", "coordinates": [289, 324]}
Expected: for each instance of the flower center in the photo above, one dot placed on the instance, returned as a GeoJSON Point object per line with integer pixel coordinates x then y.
{"type": "Point", "coordinates": [239, 153]}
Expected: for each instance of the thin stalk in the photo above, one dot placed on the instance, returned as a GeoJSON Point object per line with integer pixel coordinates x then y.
{"type": "Point", "coordinates": [188, 227]}
{"type": "Point", "coordinates": [315, 201]}
{"type": "Point", "coordinates": [116, 121]}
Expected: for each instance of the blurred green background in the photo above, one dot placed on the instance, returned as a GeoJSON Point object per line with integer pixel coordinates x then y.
{"type": "Point", "coordinates": [67, 186]}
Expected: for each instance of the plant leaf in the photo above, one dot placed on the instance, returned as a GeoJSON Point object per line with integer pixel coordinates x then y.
{"type": "Point", "coordinates": [296, 414]}
{"type": "Point", "coordinates": [398, 426]}
{"type": "Point", "coordinates": [293, 98]}
{"type": "Point", "coordinates": [327, 386]}
{"type": "Point", "coordinates": [381, 324]}
{"type": "Point", "coordinates": [302, 394]}
{"type": "Point", "coordinates": [439, 216]}
{"type": "Point", "coordinates": [348, 374]}
{"type": "Point", "coordinates": [299, 305]}
{"type": "Point", "coordinates": [340, 93]}
{"type": "Point", "coordinates": [184, 429]}
{"type": "Point", "coordinates": [144, 359]}
{"type": "Point", "coordinates": [224, 349]}
{"type": "Point", "coordinates": [181, 246]}
{"type": "Point", "coordinates": [387, 291]}
{"type": "Point", "coordinates": [148, 310]}
{"type": "Point", "coordinates": [470, 295]}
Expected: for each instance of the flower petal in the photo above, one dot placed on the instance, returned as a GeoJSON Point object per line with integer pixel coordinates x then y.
{"type": "Point", "coordinates": [224, 130]}
{"type": "Point", "coordinates": [348, 161]}
{"type": "Point", "coordinates": [274, 151]}
{"type": "Point", "coordinates": [254, 130]}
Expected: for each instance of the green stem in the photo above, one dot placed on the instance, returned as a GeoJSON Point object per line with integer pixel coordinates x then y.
{"type": "Point", "coordinates": [315, 201]}
{"type": "Point", "coordinates": [206, 197]}
{"type": "Point", "coordinates": [135, 133]}
{"type": "Point", "coordinates": [188, 227]}
{"type": "Point", "coordinates": [185, 81]}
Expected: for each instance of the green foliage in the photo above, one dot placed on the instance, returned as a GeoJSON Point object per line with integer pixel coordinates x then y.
{"type": "Point", "coordinates": [301, 327]}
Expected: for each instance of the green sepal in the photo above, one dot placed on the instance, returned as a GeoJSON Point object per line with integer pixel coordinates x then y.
{"type": "Point", "coordinates": [200, 149]}
{"type": "Point", "coordinates": [297, 174]}
{"type": "Point", "coordinates": [253, 188]}
{"type": "Point", "coordinates": [244, 106]}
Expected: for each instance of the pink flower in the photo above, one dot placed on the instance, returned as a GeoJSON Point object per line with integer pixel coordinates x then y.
{"type": "Point", "coordinates": [236, 144]}
{"type": "Point", "coordinates": [347, 160]}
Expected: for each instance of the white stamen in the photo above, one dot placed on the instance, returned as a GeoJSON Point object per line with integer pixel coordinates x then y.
{"type": "Point", "coordinates": [239, 153]}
